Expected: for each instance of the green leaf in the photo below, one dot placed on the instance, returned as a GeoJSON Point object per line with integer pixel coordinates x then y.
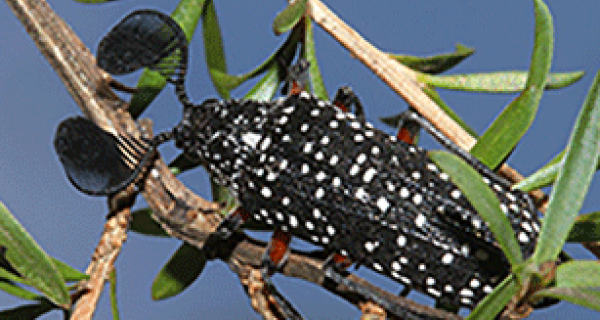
{"type": "Point", "coordinates": [288, 48]}
{"type": "Point", "coordinates": [437, 63]}
{"type": "Point", "coordinates": [23, 253]}
{"type": "Point", "coordinates": [30, 311]}
{"type": "Point", "coordinates": [580, 274]}
{"type": "Point", "coordinates": [289, 17]}
{"type": "Point", "coordinates": [483, 199]}
{"type": "Point", "coordinates": [498, 82]}
{"type": "Point", "coordinates": [543, 177]}
{"type": "Point", "coordinates": [151, 82]}
{"type": "Point", "coordinates": [213, 47]}
{"type": "Point", "coordinates": [143, 223]}
{"type": "Point", "coordinates": [587, 297]}
{"type": "Point", "coordinates": [181, 270]}
{"type": "Point", "coordinates": [309, 53]}
{"type": "Point", "coordinates": [114, 305]}
{"type": "Point", "coordinates": [573, 179]}
{"type": "Point", "coordinates": [69, 273]}
{"type": "Point", "coordinates": [494, 302]}
{"type": "Point", "coordinates": [586, 228]}
{"type": "Point", "coordinates": [18, 291]}
{"type": "Point", "coordinates": [506, 131]}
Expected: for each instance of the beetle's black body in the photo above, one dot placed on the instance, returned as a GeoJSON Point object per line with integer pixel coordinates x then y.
{"type": "Point", "coordinates": [305, 166]}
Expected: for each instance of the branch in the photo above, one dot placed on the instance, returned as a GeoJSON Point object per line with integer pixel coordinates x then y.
{"type": "Point", "coordinates": [179, 211]}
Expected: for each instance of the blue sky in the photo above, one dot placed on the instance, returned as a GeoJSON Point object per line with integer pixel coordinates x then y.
{"type": "Point", "coordinates": [68, 224]}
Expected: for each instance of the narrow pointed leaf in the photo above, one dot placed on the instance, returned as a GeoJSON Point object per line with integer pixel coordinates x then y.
{"type": "Point", "coordinates": [436, 63]}
{"type": "Point", "coordinates": [151, 82]}
{"type": "Point", "coordinates": [69, 273]}
{"type": "Point", "coordinates": [498, 82]}
{"type": "Point", "coordinates": [230, 82]}
{"type": "Point", "coordinates": [309, 53]}
{"type": "Point", "coordinates": [580, 274]}
{"type": "Point", "coordinates": [586, 228]}
{"type": "Point", "coordinates": [494, 302]}
{"type": "Point", "coordinates": [114, 305]}
{"type": "Point", "coordinates": [543, 177]}
{"type": "Point", "coordinates": [289, 17]}
{"type": "Point", "coordinates": [213, 46]}
{"type": "Point", "coordinates": [483, 200]}
{"type": "Point", "coordinates": [23, 253]}
{"type": "Point", "coordinates": [143, 223]}
{"type": "Point", "coordinates": [18, 291]}
{"type": "Point", "coordinates": [506, 131]}
{"type": "Point", "coordinates": [573, 180]}
{"type": "Point", "coordinates": [181, 271]}
{"type": "Point", "coordinates": [29, 311]}
{"type": "Point", "coordinates": [586, 297]}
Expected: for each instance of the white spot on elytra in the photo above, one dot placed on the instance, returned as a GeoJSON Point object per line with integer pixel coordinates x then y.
{"type": "Point", "coordinates": [416, 175]}
{"type": "Point", "coordinates": [430, 281]}
{"type": "Point", "coordinates": [308, 147]}
{"type": "Point", "coordinates": [293, 221]}
{"type": "Point", "coordinates": [321, 176]}
{"type": "Point", "coordinates": [309, 225]}
{"type": "Point", "coordinates": [361, 194]}
{"type": "Point", "coordinates": [337, 182]}
{"type": "Point", "coordinates": [266, 192]}
{"type": "Point", "coordinates": [401, 241]}
{"type": "Point", "coordinates": [370, 246]}
{"type": "Point", "coordinates": [404, 193]}
{"type": "Point", "coordinates": [285, 201]}
{"type": "Point", "coordinates": [251, 138]}
{"type": "Point", "coordinates": [420, 220]}
{"type": "Point", "coordinates": [447, 258]}
{"type": "Point", "coordinates": [361, 158]}
{"type": "Point", "coordinates": [316, 213]}
{"type": "Point", "coordinates": [330, 230]}
{"type": "Point", "coordinates": [319, 193]}
{"type": "Point", "coordinates": [319, 156]}
{"type": "Point", "coordinates": [523, 237]}
{"type": "Point", "coordinates": [334, 160]}
{"type": "Point", "coordinates": [354, 170]}
{"type": "Point", "coordinates": [466, 292]}
{"type": "Point", "coordinates": [305, 168]}
{"type": "Point", "coordinates": [383, 204]}
{"type": "Point", "coordinates": [417, 199]}
{"type": "Point", "coordinates": [455, 194]}
{"type": "Point", "coordinates": [369, 174]}
{"type": "Point", "coordinates": [474, 283]}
